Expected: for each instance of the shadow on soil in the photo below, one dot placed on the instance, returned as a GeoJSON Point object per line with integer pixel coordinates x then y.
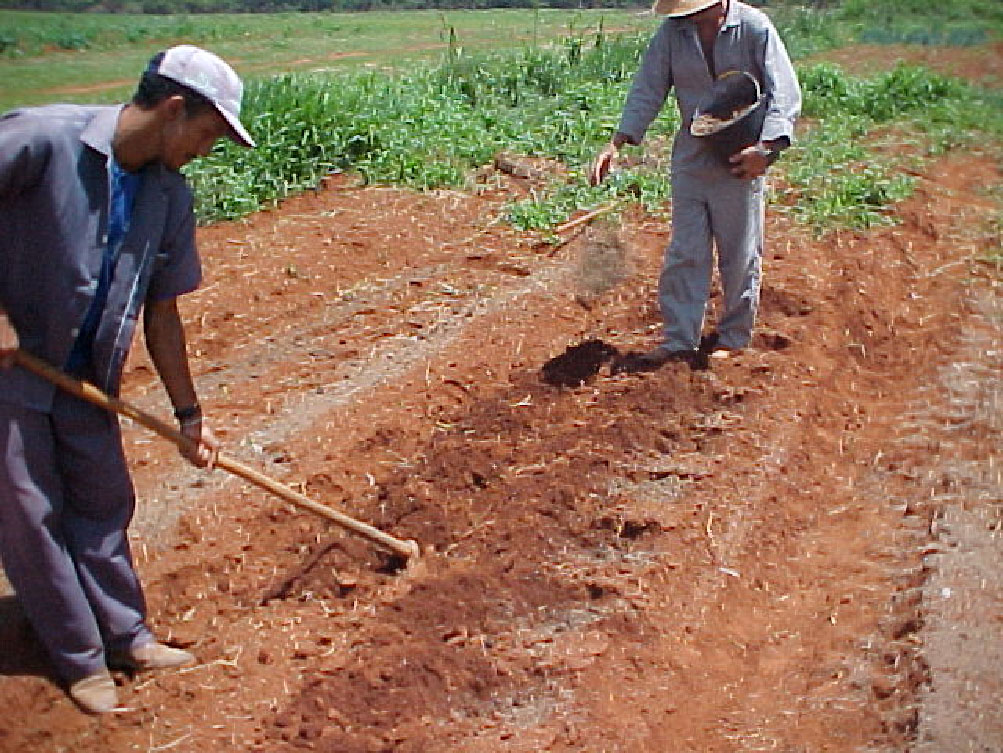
{"type": "Point", "coordinates": [22, 653]}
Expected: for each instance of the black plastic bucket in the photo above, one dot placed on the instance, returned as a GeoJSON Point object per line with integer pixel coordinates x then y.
{"type": "Point", "coordinates": [730, 116]}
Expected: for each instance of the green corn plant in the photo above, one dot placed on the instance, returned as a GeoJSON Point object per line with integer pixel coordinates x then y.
{"type": "Point", "coordinates": [433, 126]}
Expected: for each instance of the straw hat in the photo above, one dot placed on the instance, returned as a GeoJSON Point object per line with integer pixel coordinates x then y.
{"type": "Point", "coordinates": [679, 8]}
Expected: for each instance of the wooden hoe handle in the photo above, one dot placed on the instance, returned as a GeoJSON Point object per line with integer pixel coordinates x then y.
{"type": "Point", "coordinates": [92, 394]}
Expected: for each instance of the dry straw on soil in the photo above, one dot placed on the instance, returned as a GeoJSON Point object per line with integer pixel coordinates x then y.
{"type": "Point", "coordinates": [602, 262]}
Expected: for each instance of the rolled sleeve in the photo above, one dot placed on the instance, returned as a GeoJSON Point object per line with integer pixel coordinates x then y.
{"type": "Point", "coordinates": [785, 93]}
{"type": "Point", "coordinates": [650, 88]}
{"type": "Point", "coordinates": [177, 269]}
{"type": "Point", "coordinates": [24, 153]}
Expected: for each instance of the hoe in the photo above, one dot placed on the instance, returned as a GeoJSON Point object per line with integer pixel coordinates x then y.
{"type": "Point", "coordinates": [406, 549]}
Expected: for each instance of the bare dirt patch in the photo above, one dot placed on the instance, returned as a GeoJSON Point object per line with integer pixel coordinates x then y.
{"type": "Point", "coordinates": [982, 64]}
{"type": "Point", "coordinates": [734, 559]}
{"type": "Point", "coordinates": [716, 560]}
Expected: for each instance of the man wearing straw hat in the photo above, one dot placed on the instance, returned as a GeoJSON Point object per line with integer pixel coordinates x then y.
{"type": "Point", "coordinates": [715, 201]}
{"type": "Point", "coordinates": [97, 227]}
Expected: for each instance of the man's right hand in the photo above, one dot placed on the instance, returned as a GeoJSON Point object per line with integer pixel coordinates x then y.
{"type": "Point", "coordinates": [602, 163]}
{"type": "Point", "coordinates": [9, 342]}
{"type": "Point", "coordinates": [204, 445]}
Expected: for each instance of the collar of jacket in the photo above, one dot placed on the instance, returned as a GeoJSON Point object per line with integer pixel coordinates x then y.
{"type": "Point", "coordinates": [100, 131]}
{"type": "Point", "coordinates": [731, 19]}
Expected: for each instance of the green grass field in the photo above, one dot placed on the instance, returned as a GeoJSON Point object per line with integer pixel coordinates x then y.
{"type": "Point", "coordinates": [423, 99]}
{"type": "Point", "coordinates": [53, 57]}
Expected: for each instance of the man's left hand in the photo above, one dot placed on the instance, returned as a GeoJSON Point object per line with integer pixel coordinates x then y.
{"type": "Point", "coordinates": [752, 161]}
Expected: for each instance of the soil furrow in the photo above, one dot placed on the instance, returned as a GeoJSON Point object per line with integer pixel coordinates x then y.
{"type": "Point", "coordinates": [723, 560]}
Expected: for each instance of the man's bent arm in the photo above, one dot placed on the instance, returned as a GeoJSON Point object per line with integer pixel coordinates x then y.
{"type": "Point", "coordinates": [165, 340]}
{"type": "Point", "coordinates": [649, 90]}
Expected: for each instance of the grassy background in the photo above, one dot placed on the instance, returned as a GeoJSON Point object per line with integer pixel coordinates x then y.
{"type": "Point", "coordinates": [51, 57]}
{"type": "Point", "coordinates": [423, 98]}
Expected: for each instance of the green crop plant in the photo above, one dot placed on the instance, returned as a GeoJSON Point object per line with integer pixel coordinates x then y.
{"type": "Point", "coordinates": [432, 128]}
{"type": "Point", "coordinates": [903, 90]}
{"type": "Point", "coordinates": [888, 12]}
{"type": "Point", "coordinates": [543, 211]}
{"type": "Point", "coordinates": [835, 175]}
{"type": "Point", "coordinates": [427, 129]}
{"type": "Point", "coordinates": [555, 90]}
{"type": "Point", "coordinates": [808, 31]}
{"type": "Point", "coordinates": [437, 124]}
{"type": "Point", "coordinates": [923, 34]}
{"type": "Point", "coordinates": [907, 89]}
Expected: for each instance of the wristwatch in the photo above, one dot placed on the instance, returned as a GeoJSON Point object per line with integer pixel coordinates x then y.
{"type": "Point", "coordinates": [772, 149]}
{"type": "Point", "coordinates": [771, 152]}
{"type": "Point", "coordinates": [188, 415]}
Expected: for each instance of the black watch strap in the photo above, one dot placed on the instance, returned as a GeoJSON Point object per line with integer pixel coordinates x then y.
{"type": "Point", "coordinates": [187, 414]}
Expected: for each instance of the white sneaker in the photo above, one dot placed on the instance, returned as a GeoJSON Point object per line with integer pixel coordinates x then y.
{"type": "Point", "coordinates": [95, 694]}
{"type": "Point", "coordinates": [151, 655]}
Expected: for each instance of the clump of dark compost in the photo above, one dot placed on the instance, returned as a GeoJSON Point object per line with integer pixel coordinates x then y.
{"type": "Point", "coordinates": [578, 363]}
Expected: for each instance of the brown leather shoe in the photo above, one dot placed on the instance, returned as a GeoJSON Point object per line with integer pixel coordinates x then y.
{"type": "Point", "coordinates": [149, 656]}
{"type": "Point", "coordinates": [95, 694]}
{"type": "Point", "coordinates": [722, 354]}
{"type": "Point", "coordinates": [710, 347]}
{"type": "Point", "coordinates": [653, 360]}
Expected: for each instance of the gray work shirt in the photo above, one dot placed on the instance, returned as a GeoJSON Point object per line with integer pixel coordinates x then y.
{"type": "Point", "coordinates": [746, 42]}
{"type": "Point", "coordinates": [54, 200]}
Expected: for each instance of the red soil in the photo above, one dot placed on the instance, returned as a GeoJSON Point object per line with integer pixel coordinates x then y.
{"type": "Point", "coordinates": [715, 560]}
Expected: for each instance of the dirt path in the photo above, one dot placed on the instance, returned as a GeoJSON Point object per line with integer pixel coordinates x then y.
{"type": "Point", "coordinates": [982, 64]}
{"type": "Point", "coordinates": [737, 559]}
{"type": "Point", "coordinates": [963, 596]}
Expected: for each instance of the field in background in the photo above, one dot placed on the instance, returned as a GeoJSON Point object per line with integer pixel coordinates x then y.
{"type": "Point", "coordinates": [773, 554]}
{"type": "Point", "coordinates": [50, 57]}
{"type": "Point", "coordinates": [426, 99]}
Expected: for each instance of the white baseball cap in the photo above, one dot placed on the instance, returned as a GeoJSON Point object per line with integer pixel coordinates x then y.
{"type": "Point", "coordinates": [209, 75]}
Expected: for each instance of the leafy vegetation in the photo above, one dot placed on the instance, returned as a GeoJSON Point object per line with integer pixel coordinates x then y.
{"type": "Point", "coordinates": [557, 94]}
{"type": "Point", "coordinates": [280, 6]}
{"type": "Point", "coordinates": [426, 129]}
{"type": "Point", "coordinates": [890, 13]}
{"type": "Point", "coordinates": [275, 6]}
{"type": "Point", "coordinates": [36, 70]}
{"type": "Point", "coordinates": [434, 127]}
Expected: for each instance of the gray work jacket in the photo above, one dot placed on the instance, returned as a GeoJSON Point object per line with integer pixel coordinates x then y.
{"type": "Point", "coordinates": [54, 199]}
{"type": "Point", "coordinates": [674, 59]}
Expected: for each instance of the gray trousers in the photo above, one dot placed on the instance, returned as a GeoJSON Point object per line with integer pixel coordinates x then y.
{"type": "Point", "coordinates": [66, 499]}
{"type": "Point", "coordinates": [706, 212]}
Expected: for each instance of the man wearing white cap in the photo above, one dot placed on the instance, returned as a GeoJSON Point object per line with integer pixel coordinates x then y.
{"type": "Point", "coordinates": [715, 202]}
{"type": "Point", "coordinates": [98, 229]}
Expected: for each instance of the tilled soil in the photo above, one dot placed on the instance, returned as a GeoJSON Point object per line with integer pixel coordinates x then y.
{"type": "Point", "coordinates": [729, 559]}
